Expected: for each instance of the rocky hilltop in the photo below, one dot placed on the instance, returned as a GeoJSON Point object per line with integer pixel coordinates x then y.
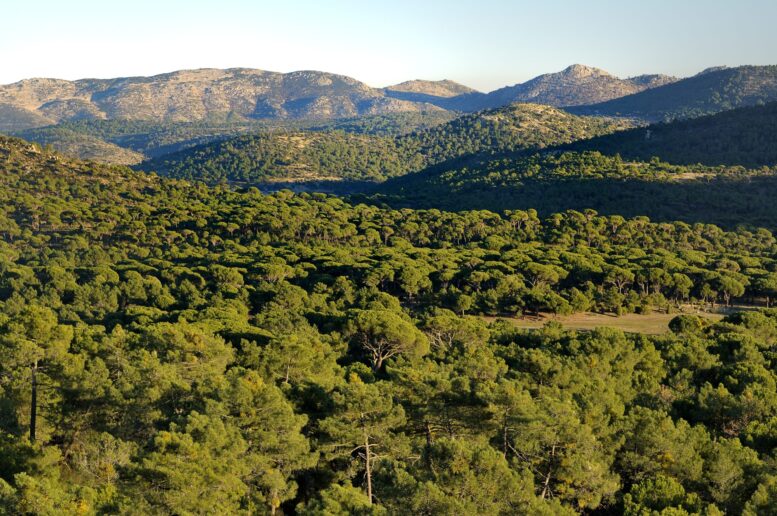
{"type": "Point", "coordinates": [444, 88]}
{"type": "Point", "coordinates": [574, 86]}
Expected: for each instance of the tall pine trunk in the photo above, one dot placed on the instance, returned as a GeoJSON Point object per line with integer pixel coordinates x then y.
{"type": "Point", "coordinates": [34, 401]}
{"type": "Point", "coordinates": [368, 460]}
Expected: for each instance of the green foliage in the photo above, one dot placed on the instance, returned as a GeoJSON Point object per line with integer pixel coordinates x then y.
{"type": "Point", "coordinates": [208, 349]}
{"type": "Point", "coordinates": [743, 136]}
{"type": "Point", "coordinates": [346, 154]}
{"type": "Point", "coordinates": [558, 181]}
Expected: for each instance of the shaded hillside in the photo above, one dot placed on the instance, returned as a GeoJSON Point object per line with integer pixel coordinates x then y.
{"type": "Point", "coordinates": [707, 93]}
{"type": "Point", "coordinates": [744, 136]}
{"type": "Point", "coordinates": [315, 156]}
{"type": "Point", "coordinates": [194, 95]}
{"type": "Point", "coordinates": [556, 182]}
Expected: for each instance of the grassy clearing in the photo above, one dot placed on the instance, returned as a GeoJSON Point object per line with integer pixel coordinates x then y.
{"type": "Point", "coordinates": [650, 324]}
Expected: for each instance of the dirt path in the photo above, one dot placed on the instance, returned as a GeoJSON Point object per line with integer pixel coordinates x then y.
{"type": "Point", "coordinates": [650, 324]}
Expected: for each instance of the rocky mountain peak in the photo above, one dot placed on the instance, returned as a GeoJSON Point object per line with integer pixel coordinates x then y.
{"type": "Point", "coordinates": [580, 71]}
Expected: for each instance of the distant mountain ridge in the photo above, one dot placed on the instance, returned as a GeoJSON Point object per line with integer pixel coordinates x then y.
{"type": "Point", "coordinates": [574, 86]}
{"type": "Point", "coordinates": [195, 95]}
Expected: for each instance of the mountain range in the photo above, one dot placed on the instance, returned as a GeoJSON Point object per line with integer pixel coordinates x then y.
{"type": "Point", "coordinates": [574, 86]}
{"type": "Point", "coordinates": [195, 95]}
{"type": "Point", "coordinates": [245, 94]}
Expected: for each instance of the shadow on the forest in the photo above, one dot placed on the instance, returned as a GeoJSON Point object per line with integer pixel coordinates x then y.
{"type": "Point", "coordinates": [727, 202]}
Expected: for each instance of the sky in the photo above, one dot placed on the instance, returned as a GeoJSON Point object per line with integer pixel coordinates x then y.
{"type": "Point", "coordinates": [484, 44]}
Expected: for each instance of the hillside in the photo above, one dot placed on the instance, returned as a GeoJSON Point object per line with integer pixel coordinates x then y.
{"type": "Point", "coordinates": [297, 156]}
{"type": "Point", "coordinates": [132, 141]}
{"type": "Point", "coordinates": [710, 92]}
{"type": "Point", "coordinates": [744, 136]}
{"type": "Point", "coordinates": [556, 181]}
{"type": "Point", "coordinates": [516, 127]}
{"type": "Point", "coordinates": [194, 95]}
{"type": "Point", "coordinates": [315, 156]}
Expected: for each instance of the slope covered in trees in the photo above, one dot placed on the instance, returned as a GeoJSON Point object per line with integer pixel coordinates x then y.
{"type": "Point", "coordinates": [706, 93]}
{"type": "Point", "coordinates": [303, 156]}
{"type": "Point", "coordinates": [558, 181]}
{"type": "Point", "coordinates": [745, 136]}
{"type": "Point", "coordinates": [169, 348]}
{"type": "Point", "coordinates": [132, 141]}
{"type": "Point", "coordinates": [337, 155]}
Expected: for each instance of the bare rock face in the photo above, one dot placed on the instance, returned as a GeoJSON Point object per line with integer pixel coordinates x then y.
{"type": "Point", "coordinates": [193, 95]}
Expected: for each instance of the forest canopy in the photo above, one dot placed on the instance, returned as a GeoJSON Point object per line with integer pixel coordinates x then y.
{"type": "Point", "coordinates": [172, 348]}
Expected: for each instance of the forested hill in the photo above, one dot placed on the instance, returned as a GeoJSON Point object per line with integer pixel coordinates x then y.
{"type": "Point", "coordinates": [171, 348]}
{"type": "Point", "coordinates": [556, 181]}
{"type": "Point", "coordinates": [338, 155]}
{"type": "Point", "coordinates": [132, 141]}
{"type": "Point", "coordinates": [745, 136]}
{"type": "Point", "coordinates": [511, 128]}
{"type": "Point", "coordinates": [707, 93]}
{"type": "Point", "coordinates": [297, 156]}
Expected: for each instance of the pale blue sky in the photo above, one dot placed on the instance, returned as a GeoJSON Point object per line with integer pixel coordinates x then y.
{"type": "Point", "coordinates": [484, 43]}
